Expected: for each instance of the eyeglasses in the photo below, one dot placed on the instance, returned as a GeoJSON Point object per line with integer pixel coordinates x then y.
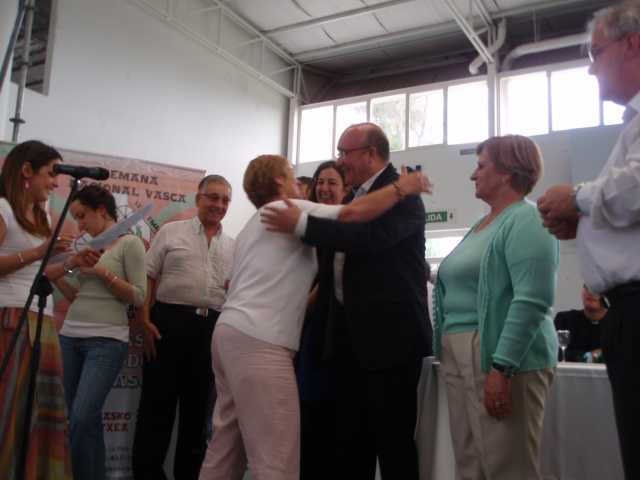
{"type": "Point", "coordinates": [215, 198]}
{"type": "Point", "coordinates": [343, 153]}
{"type": "Point", "coordinates": [595, 52]}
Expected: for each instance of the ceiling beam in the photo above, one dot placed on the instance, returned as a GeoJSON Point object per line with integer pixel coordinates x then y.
{"type": "Point", "coordinates": [337, 17]}
{"type": "Point", "coordinates": [467, 27]}
{"type": "Point", "coordinates": [218, 41]}
{"type": "Point", "coordinates": [441, 27]}
{"type": "Point", "coordinates": [397, 69]}
{"type": "Point", "coordinates": [450, 26]}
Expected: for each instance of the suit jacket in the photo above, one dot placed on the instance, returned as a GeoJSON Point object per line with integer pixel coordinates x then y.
{"type": "Point", "coordinates": [384, 281]}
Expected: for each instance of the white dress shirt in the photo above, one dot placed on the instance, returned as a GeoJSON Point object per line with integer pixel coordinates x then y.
{"type": "Point", "coordinates": [609, 230]}
{"type": "Point", "coordinates": [430, 301]}
{"type": "Point", "coordinates": [193, 273]}
{"type": "Point", "coordinates": [338, 259]}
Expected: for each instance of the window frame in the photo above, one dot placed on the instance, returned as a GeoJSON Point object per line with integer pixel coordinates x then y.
{"type": "Point", "coordinates": [494, 110]}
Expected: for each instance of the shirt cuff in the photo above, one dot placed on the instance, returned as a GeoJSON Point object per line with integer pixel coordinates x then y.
{"type": "Point", "coordinates": [301, 226]}
{"type": "Point", "coordinates": [584, 196]}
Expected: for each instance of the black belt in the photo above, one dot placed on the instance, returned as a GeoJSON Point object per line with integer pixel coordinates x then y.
{"type": "Point", "coordinates": [610, 297]}
{"type": "Point", "coordinates": [202, 311]}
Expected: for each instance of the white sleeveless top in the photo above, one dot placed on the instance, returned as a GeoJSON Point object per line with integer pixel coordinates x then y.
{"type": "Point", "coordinates": [15, 287]}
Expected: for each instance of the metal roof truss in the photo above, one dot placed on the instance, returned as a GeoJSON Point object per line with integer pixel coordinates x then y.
{"type": "Point", "coordinates": [218, 28]}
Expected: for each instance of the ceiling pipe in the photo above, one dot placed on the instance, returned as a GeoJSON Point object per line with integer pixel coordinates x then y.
{"type": "Point", "coordinates": [469, 31]}
{"type": "Point", "coordinates": [542, 46]}
{"type": "Point", "coordinates": [474, 66]}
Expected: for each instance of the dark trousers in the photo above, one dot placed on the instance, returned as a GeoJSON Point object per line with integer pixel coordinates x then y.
{"type": "Point", "coordinates": [317, 437]}
{"type": "Point", "coordinates": [376, 417]}
{"type": "Point", "coordinates": [621, 351]}
{"type": "Point", "coordinates": [180, 375]}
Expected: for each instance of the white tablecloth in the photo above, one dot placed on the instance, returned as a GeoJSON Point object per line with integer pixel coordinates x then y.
{"type": "Point", "coordinates": [579, 440]}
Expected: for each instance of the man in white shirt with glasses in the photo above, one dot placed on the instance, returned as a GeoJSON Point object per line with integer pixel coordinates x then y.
{"type": "Point", "coordinates": [604, 216]}
{"type": "Point", "coordinates": [188, 262]}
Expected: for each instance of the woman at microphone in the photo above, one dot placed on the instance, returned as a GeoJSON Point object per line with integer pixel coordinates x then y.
{"type": "Point", "coordinates": [95, 334]}
{"type": "Point", "coordinates": [26, 182]}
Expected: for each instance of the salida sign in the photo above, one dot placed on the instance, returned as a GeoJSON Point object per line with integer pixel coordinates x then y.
{"type": "Point", "coordinates": [444, 216]}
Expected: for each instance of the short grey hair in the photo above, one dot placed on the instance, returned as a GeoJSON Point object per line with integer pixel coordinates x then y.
{"type": "Point", "coordinates": [202, 187]}
{"type": "Point", "coordinates": [617, 20]}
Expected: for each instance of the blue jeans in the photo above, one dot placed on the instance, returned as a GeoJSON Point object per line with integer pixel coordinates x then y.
{"type": "Point", "coordinates": [91, 366]}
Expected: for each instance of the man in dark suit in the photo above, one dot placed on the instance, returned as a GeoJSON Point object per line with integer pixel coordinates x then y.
{"type": "Point", "coordinates": [381, 330]}
{"type": "Point", "coordinates": [585, 327]}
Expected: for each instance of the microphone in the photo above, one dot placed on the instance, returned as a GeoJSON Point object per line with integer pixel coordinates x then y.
{"type": "Point", "coordinates": [97, 173]}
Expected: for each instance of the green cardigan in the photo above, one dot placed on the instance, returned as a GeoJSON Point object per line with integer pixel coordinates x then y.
{"type": "Point", "coordinates": [516, 291]}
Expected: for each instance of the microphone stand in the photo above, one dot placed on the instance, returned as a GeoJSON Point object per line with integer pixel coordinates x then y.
{"type": "Point", "coordinates": [42, 287]}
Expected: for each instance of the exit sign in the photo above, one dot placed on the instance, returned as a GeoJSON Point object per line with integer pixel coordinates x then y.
{"type": "Point", "coordinates": [440, 217]}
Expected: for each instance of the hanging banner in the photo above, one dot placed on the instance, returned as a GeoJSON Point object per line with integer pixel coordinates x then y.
{"type": "Point", "coordinates": [134, 184]}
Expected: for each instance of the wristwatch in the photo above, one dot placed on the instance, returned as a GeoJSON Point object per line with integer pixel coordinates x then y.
{"type": "Point", "coordinates": [574, 194]}
{"type": "Point", "coordinates": [506, 370]}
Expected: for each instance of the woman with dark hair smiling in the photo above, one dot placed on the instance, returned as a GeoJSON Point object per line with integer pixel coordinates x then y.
{"type": "Point", "coordinates": [26, 183]}
{"type": "Point", "coordinates": [328, 184]}
{"type": "Point", "coordinates": [315, 378]}
{"type": "Point", "coordinates": [95, 334]}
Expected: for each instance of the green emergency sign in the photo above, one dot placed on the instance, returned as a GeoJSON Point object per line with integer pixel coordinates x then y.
{"type": "Point", "coordinates": [439, 217]}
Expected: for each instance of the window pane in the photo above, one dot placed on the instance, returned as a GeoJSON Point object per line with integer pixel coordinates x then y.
{"type": "Point", "coordinates": [316, 125]}
{"type": "Point", "coordinates": [574, 99]}
{"type": "Point", "coordinates": [347, 115]}
{"type": "Point", "coordinates": [612, 113]}
{"type": "Point", "coordinates": [426, 118]}
{"type": "Point", "coordinates": [389, 114]}
{"type": "Point", "coordinates": [467, 113]}
{"type": "Point", "coordinates": [441, 247]}
{"type": "Point", "coordinates": [524, 105]}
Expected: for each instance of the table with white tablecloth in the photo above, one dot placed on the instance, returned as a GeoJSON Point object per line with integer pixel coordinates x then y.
{"type": "Point", "coordinates": [579, 440]}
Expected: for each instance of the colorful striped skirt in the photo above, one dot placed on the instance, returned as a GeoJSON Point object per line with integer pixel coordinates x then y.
{"type": "Point", "coordinates": [48, 456]}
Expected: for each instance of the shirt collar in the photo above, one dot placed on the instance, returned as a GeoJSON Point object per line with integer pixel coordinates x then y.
{"type": "Point", "coordinates": [197, 225]}
{"type": "Point", "coordinates": [366, 186]}
{"type": "Point", "coordinates": [634, 103]}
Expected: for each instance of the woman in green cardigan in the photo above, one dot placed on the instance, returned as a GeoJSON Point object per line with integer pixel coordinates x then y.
{"type": "Point", "coordinates": [493, 330]}
{"type": "Point", "coordinates": [95, 335]}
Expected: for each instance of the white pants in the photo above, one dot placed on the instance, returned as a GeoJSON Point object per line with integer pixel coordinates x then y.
{"type": "Point", "coordinates": [257, 412]}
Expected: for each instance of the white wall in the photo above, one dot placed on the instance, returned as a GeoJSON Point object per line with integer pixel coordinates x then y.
{"type": "Point", "coordinates": [570, 157]}
{"type": "Point", "coordinates": [126, 83]}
